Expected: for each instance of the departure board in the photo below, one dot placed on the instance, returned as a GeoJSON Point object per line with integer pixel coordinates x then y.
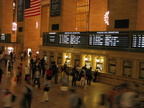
{"type": "Point", "coordinates": [73, 38]}
{"type": "Point", "coordinates": [138, 40]}
{"type": "Point", "coordinates": [113, 38]}
{"type": "Point", "coordinates": [52, 37]}
{"type": "Point", "coordinates": [96, 39]}
{"type": "Point", "coordinates": [116, 40]}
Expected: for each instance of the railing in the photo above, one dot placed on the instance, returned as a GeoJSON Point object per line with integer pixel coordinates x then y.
{"type": "Point", "coordinates": [116, 80]}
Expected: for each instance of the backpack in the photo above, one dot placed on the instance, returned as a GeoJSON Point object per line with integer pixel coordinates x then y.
{"type": "Point", "coordinates": [13, 98]}
{"type": "Point", "coordinates": [80, 102]}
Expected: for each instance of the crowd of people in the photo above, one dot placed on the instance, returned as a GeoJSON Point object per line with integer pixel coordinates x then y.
{"type": "Point", "coordinates": [119, 97]}
{"type": "Point", "coordinates": [32, 73]}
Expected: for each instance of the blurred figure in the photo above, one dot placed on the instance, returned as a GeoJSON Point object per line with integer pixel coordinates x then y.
{"type": "Point", "coordinates": [73, 99]}
{"type": "Point", "coordinates": [18, 75]}
{"type": "Point", "coordinates": [30, 54]}
{"type": "Point", "coordinates": [49, 74]}
{"type": "Point", "coordinates": [128, 98]}
{"type": "Point", "coordinates": [6, 60]}
{"type": "Point", "coordinates": [27, 73]}
{"type": "Point", "coordinates": [43, 66]}
{"type": "Point", "coordinates": [117, 97]}
{"type": "Point", "coordinates": [64, 80]}
{"type": "Point", "coordinates": [89, 75]}
{"type": "Point", "coordinates": [9, 69]}
{"type": "Point", "coordinates": [75, 75]}
{"type": "Point", "coordinates": [11, 55]}
{"type": "Point", "coordinates": [22, 56]}
{"type": "Point", "coordinates": [25, 54]}
{"type": "Point", "coordinates": [55, 71]}
{"type": "Point", "coordinates": [111, 95]}
{"type": "Point", "coordinates": [1, 73]}
{"type": "Point", "coordinates": [21, 67]}
{"type": "Point", "coordinates": [46, 91]}
{"type": "Point", "coordinates": [83, 77]}
{"type": "Point", "coordinates": [27, 96]}
{"type": "Point", "coordinates": [37, 78]}
{"type": "Point", "coordinates": [7, 99]}
{"type": "Point", "coordinates": [96, 72]}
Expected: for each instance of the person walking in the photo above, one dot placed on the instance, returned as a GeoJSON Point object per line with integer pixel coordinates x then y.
{"type": "Point", "coordinates": [7, 100]}
{"type": "Point", "coordinates": [89, 75]}
{"type": "Point", "coordinates": [74, 74]}
{"type": "Point", "coordinates": [27, 73]}
{"type": "Point", "coordinates": [55, 71]}
{"type": "Point", "coordinates": [18, 75]}
{"type": "Point", "coordinates": [73, 99]}
{"type": "Point", "coordinates": [22, 56]}
{"type": "Point", "coordinates": [1, 73]}
{"type": "Point", "coordinates": [46, 88]}
{"type": "Point", "coordinates": [37, 78]}
{"type": "Point", "coordinates": [27, 96]}
{"type": "Point", "coordinates": [9, 69]}
{"type": "Point", "coordinates": [82, 77]}
{"type": "Point", "coordinates": [49, 74]}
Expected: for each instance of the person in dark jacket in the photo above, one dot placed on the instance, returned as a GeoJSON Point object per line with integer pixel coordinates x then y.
{"type": "Point", "coordinates": [1, 73]}
{"type": "Point", "coordinates": [89, 75]}
{"type": "Point", "coordinates": [55, 71]}
{"type": "Point", "coordinates": [74, 74]}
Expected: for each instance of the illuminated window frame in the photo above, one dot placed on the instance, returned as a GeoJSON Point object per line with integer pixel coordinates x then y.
{"type": "Point", "coordinates": [82, 15]}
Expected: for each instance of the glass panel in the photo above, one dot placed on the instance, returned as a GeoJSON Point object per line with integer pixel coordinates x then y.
{"type": "Point", "coordinates": [112, 66]}
{"type": "Point", "coordinates": [141, 70]}
{"type": "Point", "coordinates": [127, 68]}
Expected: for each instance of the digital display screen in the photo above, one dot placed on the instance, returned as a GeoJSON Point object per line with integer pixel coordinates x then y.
{"type": "Point", "coordinates": [96, 39]}
{"type": "Point", "coordinates": [52, 37]}
{"type": "Point", "coordinates": [138, 40]}
{"type": "Point", "coordinates": [114, 39]}
{"type": "Point", "coordinates": [73, 38]}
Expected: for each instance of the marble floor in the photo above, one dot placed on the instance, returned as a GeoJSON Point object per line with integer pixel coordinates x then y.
{"type": "Point", "coordinates": [91, 95]}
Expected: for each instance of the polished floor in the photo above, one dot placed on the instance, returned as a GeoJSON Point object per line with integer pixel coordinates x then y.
{"type": "Point", "coordinates": [90, 94]}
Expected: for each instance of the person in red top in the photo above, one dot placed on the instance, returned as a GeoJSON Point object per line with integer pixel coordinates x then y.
{"type": "Point", "coordinates": [49, 74]}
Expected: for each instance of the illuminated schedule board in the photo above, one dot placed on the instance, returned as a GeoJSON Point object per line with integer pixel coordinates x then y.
{"type": "Point", "coordinates": [72, 38]}
{"type": "Point", "coordinates": [112, 38]}
{"type": "Point", "coordinates": [52, 37]}
{"type": "Point", "coordinates": [138, 40]}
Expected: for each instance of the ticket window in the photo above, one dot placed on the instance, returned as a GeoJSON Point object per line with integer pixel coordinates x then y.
{"type": "Point", "coordinates": [88, 64]}
{"type": "Point", "coordinates": [29, 50]}
{"type": "Point", "coordinates": [99, 66]}
{"type": "Point", "coordinates": [112, 66]}
{"type": "Point", "coordinates": [127, 68]}
{"type": "Point", "coordinates": [141, 70]}
{"type": "Point", "coordinates": [10, 49]}
{"type": "Point", "coordinates": [68, 62]}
